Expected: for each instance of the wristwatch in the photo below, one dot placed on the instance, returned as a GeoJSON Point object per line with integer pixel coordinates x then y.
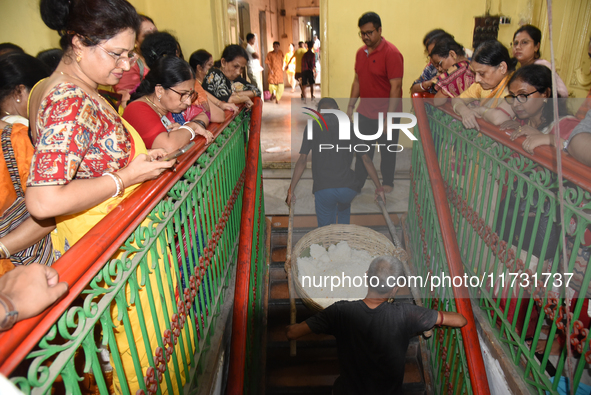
{"type": "Point", "coordinates": [565, 145]}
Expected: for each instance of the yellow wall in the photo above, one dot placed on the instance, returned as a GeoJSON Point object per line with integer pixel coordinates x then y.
{"type": "Point", "coordinates": [196, 23]}
{"type": "Point", "coordinates": [404, 23]}
{"type": "Point", "coordinates": [193, 22]}
{"type": "Point", "coordinates": [21, 24]}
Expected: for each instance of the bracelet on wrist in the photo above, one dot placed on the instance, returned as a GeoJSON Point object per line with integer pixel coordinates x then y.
{"type": "Point", "coordinates": [118, 183]}
{"type": "Point", "coordinates": [4, 253]}
{"type": "Point", "coordinates": [200, 122]}
{"type": "Point", "coordinates": [422, 87]}
{"type": "Point", "coordinates": [11, 314]}
{"type": "Point", "coordinates": [190, 130]}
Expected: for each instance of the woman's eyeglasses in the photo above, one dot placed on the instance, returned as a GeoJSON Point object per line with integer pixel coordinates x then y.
{"type": "Point", "coordinates": [193, 95]}
{"type": "Point", "coordinates": [521, 98]}
{"type": "Point", "coordinates": [521, 43]}
{"type": "Point", "coordinates": [131, 57]}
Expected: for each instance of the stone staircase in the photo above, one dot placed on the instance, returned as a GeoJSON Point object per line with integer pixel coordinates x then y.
{"type": "Point", "coordinates": [315, 367]}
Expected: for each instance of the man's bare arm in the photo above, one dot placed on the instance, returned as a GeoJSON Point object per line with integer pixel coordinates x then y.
{"type": "Point", "coordinates": [451, 319]}
{"type": "Point", "coordinates": [296, 331]}
{"type": "Point", "coordinates": [354, 96]}
{"type": "Point", "coordinates": [395, 94]}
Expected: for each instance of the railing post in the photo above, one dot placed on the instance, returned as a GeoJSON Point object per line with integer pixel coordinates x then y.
{"type": "Point", "coordinates": [474, 359]}
{"type": "Point", "coordinates": [236, 372]}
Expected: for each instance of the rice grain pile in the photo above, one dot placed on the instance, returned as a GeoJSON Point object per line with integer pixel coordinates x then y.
{"type": "Point", "coordinates": [338, 262]}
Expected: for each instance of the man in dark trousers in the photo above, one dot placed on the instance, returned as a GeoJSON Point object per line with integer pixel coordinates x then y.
{"type": "Point", "coordinates": [334, 180]}
{"type": "Point", "coordinates": [379, 68]}
{"type": "Point", "coordinates": [308, 68]}
{"type": "Point", "coordinates": [372, 334]}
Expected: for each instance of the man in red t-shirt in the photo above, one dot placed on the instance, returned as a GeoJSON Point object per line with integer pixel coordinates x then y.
{"type": "Point", "coordinates": [379, 68]}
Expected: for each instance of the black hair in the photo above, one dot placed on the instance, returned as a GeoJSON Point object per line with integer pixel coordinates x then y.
{"type": "Point", "coordinates": [370, 17]}
{"type": "Point", "coordinates": [167, 72]}
{"type": "Point", "coordinates": [93, 20]}
{"type": "Point", "coordinates": [199, 58]}
{"type": "Point", "coordinates": [310, 45]}
{"type": "Point", "coordinates": [19, 69]}
{"type": "Point", "coordinates": [300, 44]}
{"type": "Point", "coordinates": [540, 77]}
{"type": "Point", "coordinates": [534, 33]}
{"type": "Point", "coordinates": [145, 18]}
{"type": "Point", "coordinates": [431, 34]}
{"type": "Point", "coordinates": [327, 102]}
{"type": "Point", "coordinates": [276, 42]}
{"type": "Point", "coordinates": [217, 63]}
{"type": "Point", "coordinates": [444, 44]}
{"type": "Point", "coordinates": [433, 38]}
{"type": "Point", "coordinates": [157, 45]}
{"type": "Point", "coordinates": [51, 58]}
{"type": "Point", "coordinates": [9, 48]}
{"type": "Point", "coordinates": [493, 53]}
{"type": "Point", "coordinates": [249, 37]}
{"type": "Point", "coordinates": [234, 51]}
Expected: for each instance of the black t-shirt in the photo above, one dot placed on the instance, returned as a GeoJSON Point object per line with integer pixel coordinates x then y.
{"type": "Point", "coordinates": [331, 168]}
{"type": "Point", "coordinates": [372, 343]}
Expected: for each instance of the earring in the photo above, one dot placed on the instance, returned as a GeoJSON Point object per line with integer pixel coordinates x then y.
{"type": "Point", "coordinates": [78, 57]}
{"type": "Point", "coordinates": [545, 100]}
{"type": "Point", "coordinates": [18, 100]}
{"type": "Point", "coordinates": [158, 98]}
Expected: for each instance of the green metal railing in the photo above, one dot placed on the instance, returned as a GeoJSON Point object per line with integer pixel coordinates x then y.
{"type": "Point", "coordinates": [507, 219]}
{"type": "Point", "coordinates": [145, 320]}
{"type": "Point", "coordinates": [447, 355]}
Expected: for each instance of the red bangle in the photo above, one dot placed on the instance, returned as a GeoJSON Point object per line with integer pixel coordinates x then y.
{"type": "Point", "coordinates": [380, 189]}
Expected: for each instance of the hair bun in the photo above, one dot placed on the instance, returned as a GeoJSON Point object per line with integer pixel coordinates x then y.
{"type": "Point", "coordinates": [54, 13]}
{"type": "Point", "coordinates": [513, 63]}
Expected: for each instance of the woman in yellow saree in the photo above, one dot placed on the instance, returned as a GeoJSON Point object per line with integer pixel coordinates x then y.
{"type": "Point", "coordinates": [87, 159]}
{"type": "Point", "coordinates": [493, 67]}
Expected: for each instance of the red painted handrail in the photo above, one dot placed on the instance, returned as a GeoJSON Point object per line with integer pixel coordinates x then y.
{"type": "Point", "coordinates": [572, 169]}
{"type": "Point", "coordinates": [86, 258]}
{"type": "Point", "coordinates": [452, 253]}
{"type": "Point", "coordinates": [236, 372]}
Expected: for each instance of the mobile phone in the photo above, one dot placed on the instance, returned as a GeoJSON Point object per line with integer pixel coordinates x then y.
{"type": "Point", "coordinates": [166, 122]}
{"type": "Point", "coordinates": [178, 152]}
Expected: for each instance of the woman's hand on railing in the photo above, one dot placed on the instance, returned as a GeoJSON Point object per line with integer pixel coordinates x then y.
{"type": "Point", "coordinates": [524, 130]}
{"type": "Point", "coordinates": [145, 167]}
{"type": "Point", "coordinates": [31, 289]}
{"type": "Point", "coordinates": [228, 106]}
{"type": "Point", "coordinates": [535, 140]}
{"type": "Point", "coordinates": [469, 118]}
{"type": "Point", "coordinates": [201, 131]}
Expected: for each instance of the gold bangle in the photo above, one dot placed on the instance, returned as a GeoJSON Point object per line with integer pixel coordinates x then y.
{"type": "Point", "coordinates": [118, 182]}
{"type": "Point", "coordinates": [4, 253]}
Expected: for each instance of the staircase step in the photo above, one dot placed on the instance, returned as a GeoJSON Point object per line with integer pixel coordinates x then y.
{"type": "Point", "coordinates": [278, 254]}
{"type": "Point", "coordinates": [312, 373]}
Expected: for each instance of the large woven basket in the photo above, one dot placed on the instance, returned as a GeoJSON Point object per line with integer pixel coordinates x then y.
{"type": "Point", "coordinates": [358, 238]}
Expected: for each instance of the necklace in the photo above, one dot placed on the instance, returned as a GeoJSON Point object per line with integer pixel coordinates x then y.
{"type": "Point", "coordinates": [88, 85]}
{"type": "Point", "coordinates": [153, 105]}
